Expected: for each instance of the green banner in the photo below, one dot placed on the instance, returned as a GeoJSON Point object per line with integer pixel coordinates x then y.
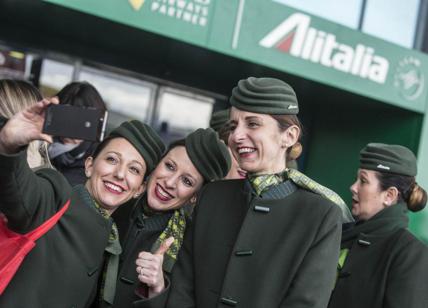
{"type": "Point", "coordinates": [277, 36]}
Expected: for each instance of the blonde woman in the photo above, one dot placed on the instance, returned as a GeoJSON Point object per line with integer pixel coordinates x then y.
{"type": "Point", "coordinates": [15, 96]}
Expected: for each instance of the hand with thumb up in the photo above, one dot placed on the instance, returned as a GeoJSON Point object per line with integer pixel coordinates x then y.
{"type": "Point", "coordinates": [149, 268]}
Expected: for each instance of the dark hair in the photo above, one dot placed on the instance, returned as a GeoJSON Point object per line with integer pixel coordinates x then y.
{"type": "Point", "coordinates": [409, 191]}
{"type": "Point", "coordinates": [224, 132]}
{"type": "Point", "coordinates": [81, 94]}
{"type": "Point", "coordinates": [284, 122]}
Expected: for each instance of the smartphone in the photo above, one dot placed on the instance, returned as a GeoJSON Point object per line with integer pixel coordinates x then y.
{"type": "Point", "coordinates": [75, 122]}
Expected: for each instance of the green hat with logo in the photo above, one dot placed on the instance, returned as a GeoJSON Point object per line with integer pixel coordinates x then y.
{"type": "Point", "coordinates": [388, 158]}
{"type": "Point", "coordinates": [207, 152]}
{"type": "Point", "coordinates": [144, 138]}
{"type": "Point", "coordinates": [264, 95]}
{"type": "Point", "coordinates": [219, 119]}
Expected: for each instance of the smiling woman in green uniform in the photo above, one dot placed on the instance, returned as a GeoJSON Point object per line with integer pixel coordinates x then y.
{"type": "Point", "coordinates": [382, 264]}
{"type": "Point", "coordinates": [270, 240]}
{"type": "Point", "coordinates": [80, 253]}
{"type": "Point", "coordinates": [188, 164]}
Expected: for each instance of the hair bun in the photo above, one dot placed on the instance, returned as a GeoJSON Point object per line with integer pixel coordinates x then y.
{"type": "Point", "coordinates": [295, 151]}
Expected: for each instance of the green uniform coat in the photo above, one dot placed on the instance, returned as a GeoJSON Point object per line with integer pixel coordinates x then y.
{"type": "Point", "coordinates": [245, 251]}
{"type": "Point", "coordinates": [386, 267]}
{"type": "Point", "coordinates": [64, 267]}
{"type": "Point", "coordinates": [137, 233]}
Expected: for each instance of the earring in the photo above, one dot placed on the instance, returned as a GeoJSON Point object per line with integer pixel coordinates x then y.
{"type": "Point", "coordinates": [136, 195]}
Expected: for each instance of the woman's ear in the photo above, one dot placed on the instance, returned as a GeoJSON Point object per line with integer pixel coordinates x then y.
{"type": "Point", "coordinates": [89, 166]}
{"type": "Point", "coordinates": [140, 190]}
{"type": "Point", "coordinates": [290, 136]}
{"type": "Point", "coordinates": [391, 196]}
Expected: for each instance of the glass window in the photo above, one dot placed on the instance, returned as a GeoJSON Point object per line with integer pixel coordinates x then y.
{"type": "Point", "coordinates": [181, 112]}
{"type": "Point", "coordinates": [54, 76]}
{"type": "Point", "coordinates": [392, 20]}
{"type": "Point", "coordinates": [126, 98]}
{"type": "Point", "coordinates": [346, 13]}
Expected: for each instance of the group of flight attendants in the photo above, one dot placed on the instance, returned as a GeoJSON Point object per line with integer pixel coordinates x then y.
{"type": "Point", "coordinates": [221, 218]}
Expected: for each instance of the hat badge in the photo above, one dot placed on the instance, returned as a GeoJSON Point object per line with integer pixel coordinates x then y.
{"type": "Point", "coordinates": [380, 166]}
{"type": "Point", "coordinates": [292, 106]}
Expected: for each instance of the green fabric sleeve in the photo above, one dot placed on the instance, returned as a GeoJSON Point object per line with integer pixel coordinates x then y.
{"type": "Point", "coordinates": [28, 198]}
{"type": "Point", "coordinates": [321, 263]}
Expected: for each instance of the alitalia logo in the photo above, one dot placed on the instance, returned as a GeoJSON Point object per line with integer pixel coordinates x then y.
{"type": "Point", "coordinates": [296, 37]}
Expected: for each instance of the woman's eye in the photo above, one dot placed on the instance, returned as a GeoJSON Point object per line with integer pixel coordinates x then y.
{"type": "Point", "coordinates": [253, 124]}
{"type": "Point", "coordinates": [187, 182]}
{"type": "Point", "coordinates": [232, 128]}
{"type": "Point", "coordinates": [135, 170]}
{"type": "Point", "coordinates": [111, 159]}
{"type": "Point", "coordinates": [169, 166]}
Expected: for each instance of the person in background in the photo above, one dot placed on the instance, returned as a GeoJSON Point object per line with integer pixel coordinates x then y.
{"type": "Point", "coordinates": [219, 122]}
{"type": "Point", "coordinates": [68, 155]}
{"type": "Point", "coordinates": [15, 96]}
{"type": "Point", "coordinates": [382, 265]}
{"type": "Point", "coordinates": [270, 240]}
{"type": "Point", "coordinates": [187, 165]}
{"type": "Point", "coordinates": [76, 262]}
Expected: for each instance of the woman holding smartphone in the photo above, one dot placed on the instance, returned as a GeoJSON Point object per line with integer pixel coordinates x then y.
{"type": "Point", "coordinates": [80, 254]}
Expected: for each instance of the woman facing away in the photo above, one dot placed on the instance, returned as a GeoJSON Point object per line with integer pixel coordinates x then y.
{"type": "Point", "coordinates": [382, 265]}
{"type": "Point", "coordinates": [270, 240]}
{"type": "Point", "coordinates": [159, 215]}
{"type": "Point", "coordinates": [80, 254]}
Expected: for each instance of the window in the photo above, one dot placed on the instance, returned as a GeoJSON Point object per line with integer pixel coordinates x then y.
{"type": "Point", "coordinates": [126, 98]}
{"type": "Point", "coordinates": [180, 112]}
{"type": "Point", "coordinates": [346, 13]}
{"type": "Point", "coordinates": [392, 20]}
{"type": "Point", "coordinates": [54, 76]}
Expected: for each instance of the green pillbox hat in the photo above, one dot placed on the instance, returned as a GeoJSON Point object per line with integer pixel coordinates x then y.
{"type": "Point", "coordinates": [219, 119]}
{"type": "Point", "coordinates": [144, 139]}
{"type": "Point", "coordinates": [264, 95]}
{"type": "Point", "coordinates": [208, 153]}
{"type": "Point", "coordinates": [388, 158]}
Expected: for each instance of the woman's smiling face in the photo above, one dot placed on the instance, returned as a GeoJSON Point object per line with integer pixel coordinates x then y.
{"type": "Point", "coordinates": [116, 175]}
{"type": "Point", "coordinates": [257, 142]}
{"type": "Point", "coordinates": [174, 181]}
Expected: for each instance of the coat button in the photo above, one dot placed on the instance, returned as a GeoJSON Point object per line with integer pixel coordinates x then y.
{"type": "Point", "coordinates": [364, 243]}
{"type": "Point", "coordinates": [344, 274]}
{"type": "Point", "coordinates": [228, 301]}
{"type": "Point", "coordinates": [126, 280]}
{"type": "Point", "coordinates": [262, 209]}
{"type": "Point", "coordinates": [92, 271]}
{"type": "Point", "coordinates": [241, 253]}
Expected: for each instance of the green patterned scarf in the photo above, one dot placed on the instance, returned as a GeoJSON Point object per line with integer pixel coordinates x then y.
{"type": "Point", "coordinates": [176, 227]}
{"type": "Point", "coordinates": [111, 266]}
{"type": "Point", "coordinates": [262, 183]}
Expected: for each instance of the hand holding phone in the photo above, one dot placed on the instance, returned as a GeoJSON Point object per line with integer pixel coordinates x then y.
{"type": "Point", "coordinates": [75, 122]}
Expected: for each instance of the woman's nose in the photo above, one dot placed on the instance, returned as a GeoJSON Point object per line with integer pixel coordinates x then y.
{"type": "Point", "coordinates": [171, 181]}
{"type": "Point", "coordinates": [120, 172]}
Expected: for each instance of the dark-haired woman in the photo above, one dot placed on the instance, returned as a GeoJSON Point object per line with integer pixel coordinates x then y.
{"type": "Point", "coordinates": [270, 240]}
{"type": "Point", "coordinates": [188, 164]}
{"type": "Point", "coordinates": [382, 265]}
{"type": "Point", "coordinates": [80, 254]}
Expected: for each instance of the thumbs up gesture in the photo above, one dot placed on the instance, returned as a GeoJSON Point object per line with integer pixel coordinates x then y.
{"type": "Point", "coordinates": [149, 267]}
